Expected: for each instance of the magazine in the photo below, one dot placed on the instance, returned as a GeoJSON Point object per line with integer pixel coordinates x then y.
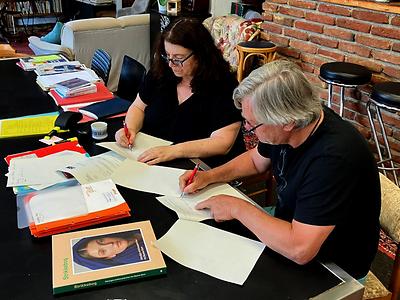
{"type": "Point", "coordinates": [103, 256]}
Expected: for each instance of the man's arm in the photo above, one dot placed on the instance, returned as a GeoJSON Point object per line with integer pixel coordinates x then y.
{"type": "Point", "coordinates": [297, 241]}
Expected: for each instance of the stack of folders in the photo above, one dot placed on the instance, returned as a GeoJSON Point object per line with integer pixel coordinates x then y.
{"type": "Point", "coordinates": [50, 202]}
{"type": "Point", "coordinates": [75, 87]}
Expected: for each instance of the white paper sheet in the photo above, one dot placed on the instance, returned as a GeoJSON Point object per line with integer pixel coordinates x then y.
{"type": "Point", "coordinates": [153, 179]}
{"type": "Point", "coordinates": [218, 253]}
{"type": "Point", "coordinates": [94, 168]}
{"type": "Point", "coordinates": [142, 142]}
{"type": "Point", "coordinates": [41, 171]}
{"type": "Point", "coordinates": [185, 206]}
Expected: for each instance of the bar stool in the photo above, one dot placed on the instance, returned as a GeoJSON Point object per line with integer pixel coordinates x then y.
{"type": "Point", "coordinates": [385, 95]}
{"type": "Point", "coordinates": [263, 49]}
{"type": "Point", "coordinates": [345, 75]}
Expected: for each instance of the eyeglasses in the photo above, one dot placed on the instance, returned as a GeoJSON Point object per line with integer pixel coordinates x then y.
{"type": "Point", "coordinates": [248, 124]}
{"type": "Point", "coordinates": [175, 61]}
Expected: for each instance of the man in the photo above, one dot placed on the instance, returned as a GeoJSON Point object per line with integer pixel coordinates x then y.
{"type": "Point", "coordinates": [328, 187]}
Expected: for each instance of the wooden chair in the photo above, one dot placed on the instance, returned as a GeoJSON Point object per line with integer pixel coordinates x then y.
{"type": "Point", "coordinates": [101, 64]}
{"type": "Point", "coordinates": [130, 78]}
{"type": "Point", "coordinates": [390, 224]}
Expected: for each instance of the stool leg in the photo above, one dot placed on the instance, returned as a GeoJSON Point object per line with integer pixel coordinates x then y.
{"type": "Point", "coordinates": [240, 66]}
{"type": "Point", "coordinates": [341, 101]}
{"type": "Point", "coordinates": [330, 95]}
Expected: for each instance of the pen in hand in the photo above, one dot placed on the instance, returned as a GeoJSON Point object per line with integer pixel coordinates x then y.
{"type": "Point", "coordinates": [128, 135]}
{"type": "Point", "coordinates": [191, 177]}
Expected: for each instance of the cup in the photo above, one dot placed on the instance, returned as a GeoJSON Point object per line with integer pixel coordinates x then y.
{"type": "Point", "coordinates": [99, 130]}
{"type": "Point", "coordinates": [162, 6]}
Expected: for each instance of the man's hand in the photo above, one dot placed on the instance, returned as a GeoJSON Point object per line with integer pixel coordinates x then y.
{"type": "Point", "coordinates": [223, 207]}
{"type": "Point", "coordinates": [122, 140]}
{"type": "Point", "coordinates": [200, 180]}
{"type": "Point", "coordinates": [156, 155]}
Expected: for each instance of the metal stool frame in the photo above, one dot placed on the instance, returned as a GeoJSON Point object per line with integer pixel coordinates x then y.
{"type": "Point", "coordinates": [389, 158]}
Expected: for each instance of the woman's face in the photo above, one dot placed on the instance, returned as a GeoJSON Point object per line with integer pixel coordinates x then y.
{"type": "Point", "coordinates": [181, 60]}
{"type": "Point", "coordinates": [107, 247]}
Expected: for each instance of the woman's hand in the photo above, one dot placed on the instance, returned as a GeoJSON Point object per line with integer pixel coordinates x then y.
{"type": "Point", "coordinates": [122, 140]}
{"type": "Point", "coordinates": [159, 154]}
{"type": "Point", "coordinates": [200, 180]}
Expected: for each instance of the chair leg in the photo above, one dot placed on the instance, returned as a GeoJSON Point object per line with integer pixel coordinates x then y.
{"type": "Point", "coordinates": [341, 101]}
{"type": "Point", "coordinates": [330, 94]}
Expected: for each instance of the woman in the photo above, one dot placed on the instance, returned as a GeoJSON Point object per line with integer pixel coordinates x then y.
{"type": "Point", "coordinates": [110, 250]}
{"type": "Point", "coordinates": [186, 98]}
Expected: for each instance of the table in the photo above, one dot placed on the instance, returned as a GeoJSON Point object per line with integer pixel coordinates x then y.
{"type": "Point", "coordinates": [26, 261]}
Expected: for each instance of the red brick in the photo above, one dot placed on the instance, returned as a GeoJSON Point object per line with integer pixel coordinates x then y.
{"type": "Point", "coordinates": [324, 41]}
{"type": "Point", "coordinates": [395, 21]}
{"type": "Point", "coordinates": [372, 41]}
{"type": "Point", "coordinates": [320, 60]}
{"type": "Point", "coordinates": [291, 12]}
{"type": "Point", "coordinates": [396, 47]}
{"type": "Point", "coordinates": [319, 18]}
{"type": "Point", "coordinates": [368, 63]}
{"type": "Point", "coordinates": [353, 25]}
{"type": "Point", "coordinates": [290, 52]}
{"type": "Point", "coordinates": [307, 58]}
{"type": "Point", "coordinates": [314, 79]}
{"type": "Point", "coordinates": [303, 46]}
{"type": "Point", "coordinates": [303, 4]}
{"type": "Point", "coordinates": [301, 35]}
{"type": "Point", "coordinates": [270, 7]}
{"type": "Point", "coordinates": [389, 32]}
{"type": "Point", "coordinates": [270, 27]}
{"type": "Point", "coordinates": [386, 56]}
{"type": "Point", "coordinates": [267, 16]}
{"type": "Point", "coordinates": [354, 48]}
{"type": "Point", "coordinates": [375, 17]}
{"type": "Point", "coordinates": [318, 28]}
{"type": "Point", "coordinates": [335, 55]}
{"type": "Point", "coordinates": [378, 78]}
{"type": "Point", "coordinates": [283, 20]}
{"type": "Point", "coordinates": [392, 72]}
{"type": "Point", "coordinates": [307, 68]}
{"type": "Point", "coordinates": [333, 9]}
{"type": "Point", "coordinates": [279, 40]}
{"type": "Point", "coordinates": [339, 33]}
{"type": "Point", "coordinates": [276, 1]}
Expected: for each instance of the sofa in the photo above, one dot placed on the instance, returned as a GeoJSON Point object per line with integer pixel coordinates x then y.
{"type": "Point", "coordinates": [127, 35]}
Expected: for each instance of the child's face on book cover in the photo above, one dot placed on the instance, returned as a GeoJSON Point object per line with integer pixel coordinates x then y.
{"type": "Point", "coordinates": [107, 247]}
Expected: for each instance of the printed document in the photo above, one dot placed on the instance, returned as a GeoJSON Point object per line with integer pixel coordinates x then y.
{"type": "Point", "coordinates": [152, 179]}
{"type": "Point", "coordinates": [142, 142]}
{"type": "Point", "coordinates": [215, 252]}
{"type": "Point", "coordinates": [185, 206]}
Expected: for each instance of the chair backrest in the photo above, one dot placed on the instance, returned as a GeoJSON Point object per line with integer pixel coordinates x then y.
{"type": "Point", "coordinates": [132, 75]}
{"type": "Point", "coordinates": [390, 224]}
{"type": "Point", "coordinates": [101, 64]}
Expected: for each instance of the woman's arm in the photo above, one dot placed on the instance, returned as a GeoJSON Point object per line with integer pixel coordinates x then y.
{"type": "Point", "coordinates": [219, 143]}
{"type": "Point", "coordinates": [134, 121]}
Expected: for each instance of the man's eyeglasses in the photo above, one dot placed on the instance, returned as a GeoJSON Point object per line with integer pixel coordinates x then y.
{"type": "Point", "coordinates": [248, 124]}
{"type": "Point", "coordinates": [175, 61]}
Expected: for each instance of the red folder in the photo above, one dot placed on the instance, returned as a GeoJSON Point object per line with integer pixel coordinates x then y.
{"type": "Point", "coordinates": [102, 94]}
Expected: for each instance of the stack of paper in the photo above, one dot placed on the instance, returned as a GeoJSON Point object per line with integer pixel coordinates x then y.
{"type": "Point", "coordinates": [47, 82]}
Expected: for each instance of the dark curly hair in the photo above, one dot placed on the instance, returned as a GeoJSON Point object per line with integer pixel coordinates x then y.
{"type": "Point", "coordinates": [191, 34]}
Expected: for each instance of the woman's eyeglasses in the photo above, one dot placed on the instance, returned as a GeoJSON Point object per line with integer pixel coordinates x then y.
{"type": "Point", "coordinates": [175, 61]}
{"type": "Point", "coordinates": [248, 124]}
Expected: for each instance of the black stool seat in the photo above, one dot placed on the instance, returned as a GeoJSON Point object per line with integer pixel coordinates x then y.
{"type": "Point", "coordinates": [345, 73]}
{"type": "Point", "coordinates": [387, 93]}
{"type": "Point", "coordinates": [257, 44]}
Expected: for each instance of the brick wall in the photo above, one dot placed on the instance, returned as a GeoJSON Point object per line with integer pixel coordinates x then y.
{"type": "Point", "coordinates": [315, 32]}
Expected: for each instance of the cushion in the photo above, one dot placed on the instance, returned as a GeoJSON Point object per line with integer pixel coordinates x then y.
{"type": "Point", "coordinates": [374, 288]}
{"type": "Point", "coordinates": [390, 209]}
{"type": "Point", "coordinates": [54, 36]}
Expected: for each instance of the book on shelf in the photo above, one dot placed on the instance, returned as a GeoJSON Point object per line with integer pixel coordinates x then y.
{"type": "Point", "coordinates": [106, 108]}
{"type": "Point", "coordinates": [102, 93]}
{"type": "Point", "coordinates": [30, 63]}
{"type": "Point", "coordinates": [79, 262]}
{"type": "Point", "coordinates": [59, 68]}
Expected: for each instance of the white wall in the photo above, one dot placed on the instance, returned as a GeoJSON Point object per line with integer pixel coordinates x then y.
{"type": "Point", "coordinates": [220, 7]}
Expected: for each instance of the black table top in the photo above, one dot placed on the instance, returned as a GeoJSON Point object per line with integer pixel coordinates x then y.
{"type": "Point", "coordinates": [26, 261]}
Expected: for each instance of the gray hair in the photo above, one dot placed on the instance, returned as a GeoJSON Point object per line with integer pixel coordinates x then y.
{"type": "Point", "coordinates": [280, 94]}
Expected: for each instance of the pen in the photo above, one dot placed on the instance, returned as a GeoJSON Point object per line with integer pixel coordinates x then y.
{"type": "Point", "coordinates": [191, 177]}
{"type": "Point", "coordinates": [66, 140]}
{"type": "Point", "coordinates": [127, 134]}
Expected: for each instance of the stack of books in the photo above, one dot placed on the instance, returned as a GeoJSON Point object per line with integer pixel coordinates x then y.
{"type": "Point", "coordinates": [75, 87]}
{"type": "Point", "coordinates": [31, 63]}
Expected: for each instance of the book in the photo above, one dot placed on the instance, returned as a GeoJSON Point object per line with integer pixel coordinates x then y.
{"type": "Point", "coordinates": [78, 261]}
{"type": "Point", "coordinates": [85, 119]}
{"type": "Point", "coordinates": [106, 108]}
{"type": "Point", "coordinates": [48, 82]}
{"type": "Point", "coordinates": [87, 89]}
{"type": "Point", "coordinates": [59, 68]}
{"type": "Point", "coordinates": [102, 94]}
{"type": "Point", "coordinates": [30, 63]}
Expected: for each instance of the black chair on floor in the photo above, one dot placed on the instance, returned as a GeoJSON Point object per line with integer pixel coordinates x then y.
{"type": "Point", "coordinates": [101, 64]}
{"type": "Point", "coordinates": [130, 78]}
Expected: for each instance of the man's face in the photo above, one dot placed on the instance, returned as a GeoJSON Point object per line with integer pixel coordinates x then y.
{"type": "Point", "coordinates": [270, 134]}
